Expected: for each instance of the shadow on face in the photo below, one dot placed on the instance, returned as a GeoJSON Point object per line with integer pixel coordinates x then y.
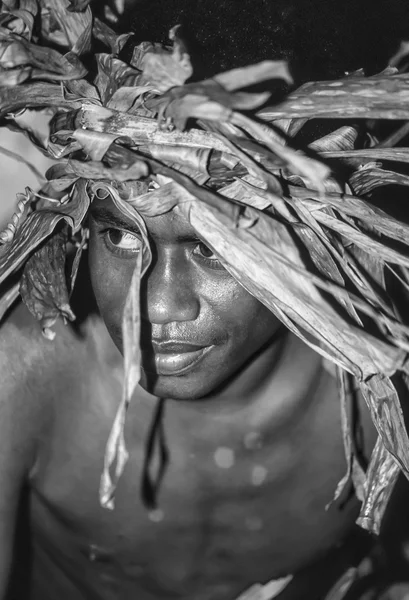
{"type": "Point", "coordinates": [200, 327]}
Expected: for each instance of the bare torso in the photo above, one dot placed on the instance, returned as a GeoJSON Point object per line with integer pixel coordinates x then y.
{"type": "Point", "coordinates": [242, 499]}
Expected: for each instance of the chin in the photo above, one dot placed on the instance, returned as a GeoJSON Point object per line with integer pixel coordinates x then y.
{"type": "Point", "coordinates": [176, 387]}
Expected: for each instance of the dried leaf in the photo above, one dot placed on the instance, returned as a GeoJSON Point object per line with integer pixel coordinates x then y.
{"type": "Point", "coordinates": [164, 69]}
{"type": "Point", "coordinates": [66, 28]}
{"type": "Point", "coordinates": [128, 98]}
{"type": "Point", "coordinates": [33, 95]}
{"type": "Point", "coordinates": [141, 130]}
{"type": "Point", "coordinates": [387, 415]}
{"type": "Point", "coordinates": [19, 17]}
{"type": "Point", "coordinates": [353, 206]}
{"type": "Point", "coordinates": [113, 74]}
{"type": "Point", "coordinates": [79, 89]}
{"type": "Point", "coordinates": [45, 63]}
{"type": "Point", "coordinates": [382, 475]}
{"type": "Point", "coordinates": [278, 286]}
{"type": "Point", "coordinates": [13, 77]}
{"type": "Point", "coordinates": [196, 159]}
{"type": "Point", "coordinates": [247, 76]}
{"type": "Point", "coordinates": [97, 170]}
{"type": "Point", "coordinates": [43, 286]}
{"type": "Point", "coordinates": [340, 589]}
{"type": "Point", "coordinates": [342, 139]}
{"type": "Point", "coordinates": [107, 36]}
{"type": "Point", "coordinates": [378, 97]}
{"type": "Point", "coordinates": [38, 226]}
{"type": "Point", "coordinates": [78, 255]}
{"type": "Point", "coordinates": [355, 471]}
{"type": "Point", "coordinates": [206, 100]}
{"type": "Point", "coordinates": [116, 454]}
{"type": "Point", "coordinates": [95, 144]}
{"type": "Point", "coordinates": [78, 5]}
{"type": "Point", "coordinates": [316, 172]}
{"type": "Point", "coordinates": [8, 297]}
{"type": "Point", "coordinates": [401, 53]}
{"type": "Point", "coordinates": [157, 202]}
{"type": "Point", "coordinates": [367, 179]}
{"type": "Point", "coordinates": [371, 154]}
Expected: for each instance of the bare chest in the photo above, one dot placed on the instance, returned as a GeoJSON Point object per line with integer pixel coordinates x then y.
{"type": "Point", "coordinates": [234, 505]}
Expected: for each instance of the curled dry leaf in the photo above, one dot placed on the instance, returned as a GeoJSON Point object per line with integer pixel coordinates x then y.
{"type": "Point", "coordinates": [18, 17]}
{"type": "Point", "coordinates": [43, 285]}
{"type": "Point", "coordinates": [243, 77]}
{"type": "Point", "coordinates": [210, 100]}
{"type": "Point", "coordinates": [39, 225]}
{"type": "Point", "coordinates": [109, 37]}
{"type": "Point", "coordinates": [70, 30]}
{"type": "Point", "coordinates": [48, 64]}
{"type": "Point", "coordinates": [164, 69]}
{"type": "Point", "coordinates": [380, 480]}
{"type": "Point", "coordinates": [97, 170]}
{"type": "Point", "coordinates": [343, 138]}
{"type": "Point", "coordinates": [32, 95]}
{"type": "Point", "coordinates": [401, 54]}
{"type": "Point", "coordinates": [369, 178]}
{"type": "Point", "coordinates": [78, 5]}
{"type": "Point", "coordinates": [196, 159]}
{"type": "Point", "coordinates": [113, 74]}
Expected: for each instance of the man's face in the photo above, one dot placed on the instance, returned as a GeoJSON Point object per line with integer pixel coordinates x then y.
{"type": "Point", "coordinates": [199, 326]}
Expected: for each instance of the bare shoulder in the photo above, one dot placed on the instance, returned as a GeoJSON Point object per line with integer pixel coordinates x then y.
{"type": "Point", "coordinates": [34, 371]}
{"type": "Point", "coordinates": [27, 358]}
{"type": "Point", "coordinates": [29, 371]}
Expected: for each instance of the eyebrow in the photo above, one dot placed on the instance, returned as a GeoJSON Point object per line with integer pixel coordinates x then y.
{"type": "Point", "coordinates": [106, 216]}
{"type": "Point", "coordinates": [110, 218]}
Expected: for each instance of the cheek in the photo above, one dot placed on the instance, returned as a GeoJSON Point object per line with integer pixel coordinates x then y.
{"type": "Point", "coordinates": [110, 279]}
{"type": "Point", "coordinates": [249, 323]}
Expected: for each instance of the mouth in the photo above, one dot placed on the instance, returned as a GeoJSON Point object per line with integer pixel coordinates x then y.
{"type": "Point", "coordinates": [174, 358]}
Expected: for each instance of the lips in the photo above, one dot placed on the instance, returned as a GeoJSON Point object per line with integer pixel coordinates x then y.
{"type": "Point", "coordinates": [177, 358]}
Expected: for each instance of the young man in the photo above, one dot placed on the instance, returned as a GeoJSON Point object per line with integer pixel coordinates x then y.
{"type": "Point", "coordinates": [251, 422]}
{"type": "Point", "coordinates": [234, 438]}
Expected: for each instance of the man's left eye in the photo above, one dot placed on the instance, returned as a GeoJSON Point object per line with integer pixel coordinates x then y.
{"type": "Point", "coordinates": [123, 240]}
{"type": "Point", "coordinates": [207, 256]}
{"type": "Point", "coordinates": [205, 251]}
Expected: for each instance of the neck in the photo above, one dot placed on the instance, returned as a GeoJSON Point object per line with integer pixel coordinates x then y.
{"type": "Point", "coordinates": [256, 374]}
{"type": "Point", "coordinates": [274, 387]}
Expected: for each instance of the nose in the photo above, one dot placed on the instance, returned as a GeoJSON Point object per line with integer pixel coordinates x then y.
{"type": "Point", "coordinates": [168, 291]}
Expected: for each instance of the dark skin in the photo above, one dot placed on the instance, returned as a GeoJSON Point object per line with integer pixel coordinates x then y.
{"type": "Point", "coordinates": [253, 432]}
{"type": "Point", "coordinates": [187, 296]}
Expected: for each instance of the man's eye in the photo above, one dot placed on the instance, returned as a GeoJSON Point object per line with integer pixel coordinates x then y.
{"type": "Point", "coordinates": [205, 251]}
{"type": "Point", "coordinates": [207, 256]}
{"type": "Point", "coordinates": [122, 241]}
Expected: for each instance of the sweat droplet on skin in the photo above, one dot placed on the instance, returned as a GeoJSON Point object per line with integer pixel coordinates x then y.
{"type": "Point", "coordinates": [254, 523]}
{"type": "Point", "coordinates": [156, 515]}
{"type": "Point", "coordinates": [224, 457]}
{"type": "Point", "coordinates": [258, 475]}
{"type": "Point", "coordinates": [253, 440]}
{"type": "Point", "coordinates": [97, 554]}
{"type": "Point", "coordinates": [93, 553]}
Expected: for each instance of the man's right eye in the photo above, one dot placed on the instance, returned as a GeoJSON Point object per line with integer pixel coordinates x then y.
{"type": "Point", "coordinates": [121, 242]}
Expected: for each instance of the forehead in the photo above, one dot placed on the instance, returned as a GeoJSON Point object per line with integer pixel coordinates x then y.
{"type": "Point", "coordinates": [171, 227]}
